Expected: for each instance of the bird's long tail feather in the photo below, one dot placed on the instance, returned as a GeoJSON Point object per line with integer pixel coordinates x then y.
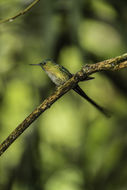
{"type": "Point", "coordinates": [84, 95]}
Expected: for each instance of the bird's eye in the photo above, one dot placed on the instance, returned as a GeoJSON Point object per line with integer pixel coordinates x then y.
{"type": "Point", "coordinates": [44, 62]}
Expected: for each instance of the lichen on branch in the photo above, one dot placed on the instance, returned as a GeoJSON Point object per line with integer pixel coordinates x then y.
{"type": "Point", "coordinates": [112, 64]}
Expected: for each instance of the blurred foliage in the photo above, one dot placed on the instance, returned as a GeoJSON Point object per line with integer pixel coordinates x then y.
{"type": "Point", "coordinates": [71, 146]}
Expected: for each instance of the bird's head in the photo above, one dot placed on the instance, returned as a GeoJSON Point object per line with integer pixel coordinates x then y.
{"type": "Point", "coordinates": [46, 64]}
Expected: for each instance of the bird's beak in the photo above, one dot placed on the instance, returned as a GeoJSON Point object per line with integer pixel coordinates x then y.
{"type": "Point", "coordinates": [36, 64]}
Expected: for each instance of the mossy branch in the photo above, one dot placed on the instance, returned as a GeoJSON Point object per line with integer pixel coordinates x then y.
{"type": "Point", "coordinates": [107, 65]}
{"type": "Point", "coordinates": [20, 13]}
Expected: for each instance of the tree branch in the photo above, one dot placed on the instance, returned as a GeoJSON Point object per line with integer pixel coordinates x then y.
{"type": "Point", "coordinates": [20, 13]}
{"type": "Point", "coordinates": [113, 64]}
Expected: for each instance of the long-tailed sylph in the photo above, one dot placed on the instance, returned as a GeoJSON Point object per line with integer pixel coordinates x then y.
{"type": "Point", "coordinates": [59, 75]}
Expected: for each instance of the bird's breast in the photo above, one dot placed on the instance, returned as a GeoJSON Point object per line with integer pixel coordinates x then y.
{"type": "Point", "coordinates": [57, 78]}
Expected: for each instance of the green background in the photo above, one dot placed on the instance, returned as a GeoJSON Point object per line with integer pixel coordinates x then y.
{"type": "Point", "coordinates": [71, 146]}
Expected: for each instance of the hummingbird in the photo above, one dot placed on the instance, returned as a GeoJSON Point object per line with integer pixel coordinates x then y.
{"type": "Point", "coordinates": [59, 75]}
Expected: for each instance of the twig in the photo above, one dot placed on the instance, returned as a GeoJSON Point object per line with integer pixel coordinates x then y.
{"type": "Point", "coordinates": [20, 13]}
{"type": "Point", "coordinates": [110, 65]}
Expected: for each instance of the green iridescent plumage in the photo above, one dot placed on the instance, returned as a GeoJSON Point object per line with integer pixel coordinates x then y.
{"type": "Point", "coordinates": [59, 75]}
